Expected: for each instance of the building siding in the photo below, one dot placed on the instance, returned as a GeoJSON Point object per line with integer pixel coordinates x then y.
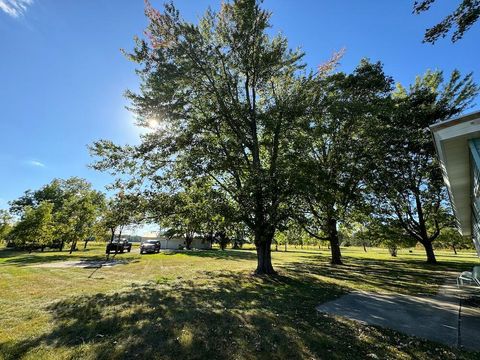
{"type": "Point", "coordinates": [474, 146]}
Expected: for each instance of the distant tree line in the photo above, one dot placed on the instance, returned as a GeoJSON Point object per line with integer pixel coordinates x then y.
{"type": "Point", "coordinates": [63, 214]}
{"type": "Point", "coordinates": [67, 212]}
{"type": "Point", "coordinates": [59, 214]}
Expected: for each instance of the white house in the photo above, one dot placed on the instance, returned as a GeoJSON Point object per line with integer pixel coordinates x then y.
{"type": "Point", "coordinates": [176, 243]}
{"type": "Point", "coordinates": [457, 142]}
{"type": "Point", "coordinates": [179, 242]}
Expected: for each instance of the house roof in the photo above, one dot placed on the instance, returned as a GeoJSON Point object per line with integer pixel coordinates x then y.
{"type": "Point", "coordinates": [451, 141]}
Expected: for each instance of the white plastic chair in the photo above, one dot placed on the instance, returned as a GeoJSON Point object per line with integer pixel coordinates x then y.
{"type": "Point", "coordinates": [472, 277]}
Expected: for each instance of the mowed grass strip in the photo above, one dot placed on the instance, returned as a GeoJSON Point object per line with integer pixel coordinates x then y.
{"type": "Point", "coordinates": [207, 305]}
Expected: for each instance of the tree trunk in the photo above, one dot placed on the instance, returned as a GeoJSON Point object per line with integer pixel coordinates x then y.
{"type": "Point", "coordinates": [263, 244]}
{"type": "Point", "coordinates": [223, 239]}
{"type": "Point", "coordinates": [189, 240]}
{"type": "Point", "coordinates": [393, 251]}
{"type": "Point", "coordinates": [454, 249]}
{"type": "Point", "coordinates": [334, 242]}
{"type": "Point", "coordinates": [85, 246]}
{"type": "Point", "coordinates": [286, 246]}
{"type": "Point", "coordinates": [74, 245]}
{"type": "Point", "coordinates": [427, 243]}
{"type": "Point", "coordinates": [113, 235]}
{"type": "Point", "coordinates": [364, 248]}
{"type": "Point", "coordinates": [429, 251]}
{"type": "Point", "coordinates": [209, 237]}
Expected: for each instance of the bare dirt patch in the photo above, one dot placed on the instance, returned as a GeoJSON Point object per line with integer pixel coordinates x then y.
{"type": "Point", "coordinates": [86, 264]}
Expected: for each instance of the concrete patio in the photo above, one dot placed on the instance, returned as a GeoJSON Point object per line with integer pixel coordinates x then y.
{"type": "Point", "coordinates": [446, 318]}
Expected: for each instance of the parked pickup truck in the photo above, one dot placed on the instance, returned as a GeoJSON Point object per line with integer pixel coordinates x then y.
{"type": "Point", "coordinates": [118, 247]}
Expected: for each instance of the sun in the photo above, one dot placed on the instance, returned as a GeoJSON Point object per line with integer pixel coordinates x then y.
{"type": "Point", "coordinates": [152, 123]}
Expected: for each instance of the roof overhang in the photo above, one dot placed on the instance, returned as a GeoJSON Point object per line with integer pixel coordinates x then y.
{"type": "Point", "coordinates": [451, 141]}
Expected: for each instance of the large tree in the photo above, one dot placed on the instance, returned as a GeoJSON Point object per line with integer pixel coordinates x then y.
{"type": "Point", "coordinates": [223, 98]}
{"type": "Point", "coordinates": [334, 149]}
{"type": "Point", "coordinates": [460, 20]}
{"type": "Point", "coordinates": [407, 180]}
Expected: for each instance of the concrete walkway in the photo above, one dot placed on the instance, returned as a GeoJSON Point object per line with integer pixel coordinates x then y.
{"type": "Point", "coordinates": [444, 318]}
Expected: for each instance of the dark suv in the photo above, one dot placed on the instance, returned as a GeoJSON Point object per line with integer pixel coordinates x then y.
{"type": "Point", "coordinates": [150, 246]}
{"type": "Point", "coordinates": [119, 247]}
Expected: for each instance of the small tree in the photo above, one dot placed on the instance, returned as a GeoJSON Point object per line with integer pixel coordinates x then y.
{"type": "Point", "coordinates": [356, 233]}
{"type": "Point", "coordinates": [239, 235]}
{"type": "Point", "coordinates": [450, 238]}
{"type": "Point", "coordinates": [290, 234]}
{"type": "Point", "coordinates": [35, 227]}
{"type": "Point", "coordinates": [222, 239]}
{"type": "Point", "coordinates": [388, 234]}
{"type": "Point", "coordinates": [6, 224]}
{"type": "Point", "coordinates": [120, 211]}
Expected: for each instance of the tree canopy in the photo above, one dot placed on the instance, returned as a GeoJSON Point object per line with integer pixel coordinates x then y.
{"type": "Point", "coordinates": [407, 180]}
{"type": "Point", "coordinates": [459, 21]}
{"type": "Point", "coordinates": [35, 228]}
{"type": "Point", "coordinates": [335, 149]}
{"type": "Point", "coordinates": [6, 224]}
{"type": "Point", "coordinates": [68, 209]}
{"type": "Point", "coordinates": [224, 98]}
{"type": "Point", "coordinates": [240, 135]}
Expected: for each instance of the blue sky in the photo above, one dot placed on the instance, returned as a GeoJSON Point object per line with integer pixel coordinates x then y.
{"type": "Point", "coordinates": [62, 75]}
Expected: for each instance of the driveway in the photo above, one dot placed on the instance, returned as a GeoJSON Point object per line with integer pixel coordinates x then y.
{"type": "Point", "coordinates": [446, 318]}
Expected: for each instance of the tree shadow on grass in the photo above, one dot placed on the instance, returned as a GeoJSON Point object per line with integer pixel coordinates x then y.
{"type": "Point", "coordinates": [12, 257]}
{"type": "Point", "coordinates": [220, 315]}
{"type": "Point", "coordinates": [227, 254]}
{"type": "Point", "coordinates": [408, 276]}
{"type": "Point", "coordinates": [8, 252]}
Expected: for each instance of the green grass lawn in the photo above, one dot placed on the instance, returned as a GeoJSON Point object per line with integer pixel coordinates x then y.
{"type": "Point", "coordinates": [207, 305]}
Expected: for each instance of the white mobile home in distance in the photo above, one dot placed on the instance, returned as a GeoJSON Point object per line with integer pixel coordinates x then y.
{"type": "Point", "coordinates": [458, 146]}
{"type": "Point", "coordinates": [176, 243]}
